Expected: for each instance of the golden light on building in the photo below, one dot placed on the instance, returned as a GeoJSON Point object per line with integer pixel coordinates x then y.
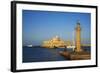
{"type": "Point", "coordinates": [54, 42]}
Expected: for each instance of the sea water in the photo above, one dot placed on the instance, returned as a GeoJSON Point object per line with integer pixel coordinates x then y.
{"type": "Point", "coordinates": [39, 54]}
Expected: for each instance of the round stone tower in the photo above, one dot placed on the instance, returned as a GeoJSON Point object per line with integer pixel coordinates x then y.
{"type": "Point", "coordinates": [78, 38]}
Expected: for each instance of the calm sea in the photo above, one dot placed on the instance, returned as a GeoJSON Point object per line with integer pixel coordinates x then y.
{"type": "Point", "coordinates": [44, 54]}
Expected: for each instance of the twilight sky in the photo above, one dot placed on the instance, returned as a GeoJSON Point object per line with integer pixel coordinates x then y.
{"type": "Point", "coordinates": [44, 25]}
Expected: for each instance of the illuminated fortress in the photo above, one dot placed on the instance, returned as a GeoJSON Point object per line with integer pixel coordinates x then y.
{"type": "Point", "coordinates": [55, 42]}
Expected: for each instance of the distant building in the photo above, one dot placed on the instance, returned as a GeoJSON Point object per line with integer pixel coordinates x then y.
{"type": "Point", "coordinates": [55, 42]}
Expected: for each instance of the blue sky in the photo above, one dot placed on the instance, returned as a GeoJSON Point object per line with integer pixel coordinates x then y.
{"type": "Point", "coordinates": [43, 25]}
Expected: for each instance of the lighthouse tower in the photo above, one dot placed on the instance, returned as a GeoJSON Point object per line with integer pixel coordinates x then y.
{"type": "Point", "coordinates": [78, 38]}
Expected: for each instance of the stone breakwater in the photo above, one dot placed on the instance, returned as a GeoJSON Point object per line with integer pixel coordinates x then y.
{"type": "Point", "coordinates": [76, 55]}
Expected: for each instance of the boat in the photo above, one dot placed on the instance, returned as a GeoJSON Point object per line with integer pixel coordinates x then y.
{"type": "Point", "coordinates": [29, 45]}
{"type": "Point", "coordinates": [70, 46]}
